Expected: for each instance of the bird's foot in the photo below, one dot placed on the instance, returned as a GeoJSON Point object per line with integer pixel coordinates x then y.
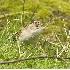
{"type": "Point", "coordinates": [22, 54]}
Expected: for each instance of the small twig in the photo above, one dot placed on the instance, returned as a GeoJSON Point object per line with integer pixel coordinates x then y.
{"type": "Point", "coordinates": [64, 48]}
{"type": "Point", "coordinates": [35, 57]}
{"type": "Point", "coordinates": [10, 14]}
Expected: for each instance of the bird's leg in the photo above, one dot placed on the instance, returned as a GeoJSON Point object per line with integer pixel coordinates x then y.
{"type": "Point", "coordinates": [19, 50]}
{"type": "Point", "coordinates": [18, 44]}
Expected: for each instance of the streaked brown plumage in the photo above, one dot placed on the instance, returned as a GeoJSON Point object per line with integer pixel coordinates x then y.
{"type": "Point", "coordinates": [30, 34]}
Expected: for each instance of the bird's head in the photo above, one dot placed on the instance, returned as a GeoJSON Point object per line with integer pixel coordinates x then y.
{"type": "Point", "coordinates": [35, 25]}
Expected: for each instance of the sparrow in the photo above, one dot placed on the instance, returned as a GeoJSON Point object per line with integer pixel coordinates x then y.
{"type": "Point", "coordinates": [30, 34]}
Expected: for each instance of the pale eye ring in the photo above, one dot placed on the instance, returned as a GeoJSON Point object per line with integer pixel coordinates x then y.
{"type": "Point", "coordinates": [35, 22]}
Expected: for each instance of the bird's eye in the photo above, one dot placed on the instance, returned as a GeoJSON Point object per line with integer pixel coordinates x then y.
{"type": "Point", "coordinates": [35, 22]}
{"type": "Point", "coordinates": [38, 22]}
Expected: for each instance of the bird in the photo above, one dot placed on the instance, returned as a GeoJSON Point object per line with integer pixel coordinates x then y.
{"type": "Point", "coordinates": [30, 34]}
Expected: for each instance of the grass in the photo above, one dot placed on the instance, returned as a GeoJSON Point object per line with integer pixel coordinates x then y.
{"type": "Point", "coordinates": [9, 48]}
{"type": "Point", "coordinates": [9, 51]}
